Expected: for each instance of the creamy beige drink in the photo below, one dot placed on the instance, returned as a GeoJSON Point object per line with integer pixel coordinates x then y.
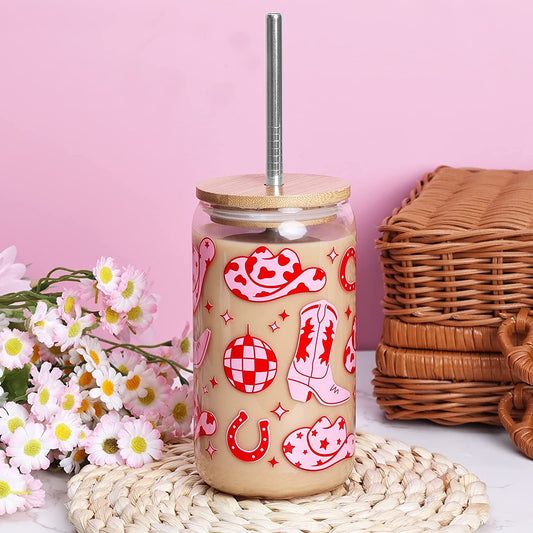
{"type": "Point", "coordinates": [274, 324]}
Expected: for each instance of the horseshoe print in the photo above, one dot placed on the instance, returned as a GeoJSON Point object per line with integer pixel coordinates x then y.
{"type": "Point", "coordinates": [348, 254]}
{"type": "Point", "coordinates": [264, 439]}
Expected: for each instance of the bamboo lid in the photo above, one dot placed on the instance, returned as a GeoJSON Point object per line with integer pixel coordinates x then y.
{"type": "Point", "coordinates": [248, 191]}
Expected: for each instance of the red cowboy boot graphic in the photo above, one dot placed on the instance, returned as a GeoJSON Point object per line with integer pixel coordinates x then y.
{"type": "Point", "coordinates": [310, 371]}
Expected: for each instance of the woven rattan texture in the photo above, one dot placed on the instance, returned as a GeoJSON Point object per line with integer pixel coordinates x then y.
{"type": "Point", "coordinates": [459, 251]}
{"type": "Point", "coordinates": [393, 487]}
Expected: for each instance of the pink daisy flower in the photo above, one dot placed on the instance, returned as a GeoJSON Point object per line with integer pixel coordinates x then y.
{"type": "Point", "coordinates": [141, 316]}
{"type": "Point", "coordinates": [66, 429]}
{"type": "Point", "coordinates": [44, 375]}
{"type": "Point", "coordinates": [13, 489]}
{"type": "Point", "coordinates": [11, 273]}
{"type": "Point", "coordinates": [102, 444]}
{"type": "Point", "coordinates": [16, 348]}
{"type": "Point", "coordinates": [68, 304]}
{"type": "Point", "coordinates": [69, 334]}
{"type": "Point", "coordinates": [43, 323]}
{"type": "Point", "coordinates": [139, 443]}
{"type": "Point", "coordinates": [129, 290]}
{"type": "Point", "coordinates": [12, 416]}
{"type": "Point", "coordinates": [34, 496]}
{"type": "Point", "coordinates": [107, 275]}
{"type": "Point", "coordinates": [29, 447]}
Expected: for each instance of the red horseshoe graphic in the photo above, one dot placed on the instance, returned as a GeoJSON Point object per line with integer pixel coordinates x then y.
{"type": "Point", "coordinates": [350, 252]}
{"type": "Point", "coordinates": [248, 455]}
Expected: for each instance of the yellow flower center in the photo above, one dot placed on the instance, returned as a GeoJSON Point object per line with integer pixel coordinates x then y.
{"type": "Point", "coordinates": [13, 346]}
{"type": "Point", "coordinates": [14, 423]}
{"type": "Point", "coordinates": [69, 305]}
{"type": "Point", "coordinates": [85, 379]}
{"type": "Point", "coordinates": [35, 356]}
{"type": "Point", "coordinates": [84, 406]}
{"type": "Point", "coordinates": [94, 356]}
{"type": "Point", "coordinates": [39, 324]}
{"type": "Point", "coordinates": [5, 489]}
{"type": "Point", "coordinates": [44, 396]}
{"type": "Point", "coordinates": [79, 455]}
{"type": "Point", "coordinates": [63, 432]}
{"type": "Point", "coordinates": [134, 313]}
{"type": "Point", "coordinates": [185, 345]}
{"type": "Point", "coordinates": [179, 412]}
{"type": "Point", "coordinates": [74, 330]}
{"type": "Point", "coordinates": [98, 409]}
{"type": "Point", "coordinates": [32, 447]}
{"type": "Point", "coordinates": [106, 274]}
{"type": "Point", "coordinates": [110, 446]}
{"type": "Point", "coordinates": [128, 291]}
{"type": "Point", "coordinates": [123, 370]}
{"type": "Point", "coordinates": [68, 403]}
{"type": "Point", "coordinates": [111, 316]}
{"type": "Point", "coordinates": [133, 383]}
{"type": "Point", "coordinates": [138, 444]}
{"type": "Point", "coordinates": [149, 398]}
{"type": "Point", "coordinates": [108, 387]}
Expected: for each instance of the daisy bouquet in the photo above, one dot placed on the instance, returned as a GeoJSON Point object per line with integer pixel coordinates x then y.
{"type": "Point", "coordinates": [74, 387]}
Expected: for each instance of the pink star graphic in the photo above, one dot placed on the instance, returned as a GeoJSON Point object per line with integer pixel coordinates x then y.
{"type": "Point", "coordinates": [273, 326]}
{"type": "Point", "coordinates": [333, 255]}
{"type": "Point", "coordinates": [210, 450]}
{"type": "Point", "coordinates": [204, 388]}
{"type": "Point", "coordinates": [273, 462]}
{"type": "Point", "coordinates": [279, 411]}
{"type": "Point", "coordinates": [227, 317]}
{"type": "Point", "coordinates": [213, 381]}
{"type": "Point", "coordinates": [348, 312]}
{"type": "Point", "coordinates": [283, 315]}
{"type": "Point", "coordinates": [208, 306]}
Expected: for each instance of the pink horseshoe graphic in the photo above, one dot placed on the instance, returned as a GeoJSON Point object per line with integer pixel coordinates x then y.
{"type": "Point", "coordinates": [348, 254]}
{"type": "Point", "coordinates": [202, 258]}
{"type": "Point", "coordinates": [248, 455]}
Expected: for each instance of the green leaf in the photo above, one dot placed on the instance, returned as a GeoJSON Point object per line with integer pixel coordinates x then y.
{"type": "Point", "coordinates": [15, 382]}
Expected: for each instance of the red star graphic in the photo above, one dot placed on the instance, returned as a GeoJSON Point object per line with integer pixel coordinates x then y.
{"type": "Point", "coordinates": [214, 382]}
{"type": "Point", "coordinates": [273, 462]}
{"type": "Point", "coordinates": [305, 452]}
{"type": "Point", "coordinates": [283, 315]}
{"type": "Point", "coordinates": [287, 448]}
{"type": "Point", "coordinates": [227, 317]}
{"type": "Point", "coordinates": [341, 423]}
{"type": "Point", "coordinates": [279, 411]}
{"type": "Point", "coordinates": [348, 312]}
{"type": "Point", "coordinates": [297, 464]}
{"type": "Point", "coordinates": [339, 442]}
{"type": "Point", "coordinates": [299, 435]}
{"type": "Point", "coordinates": [333, 255]}
{"type": "Point", "coordinates": [208, 306]}
{"type": "Point", "coordinates": [324, 444]}
{"type": "Point", "coordinates": [273, 326]}
{"type": "Point", "coordinates": [313, 433]}
{"type": "Point", "coordinates": [210, 450]}
{"type": "Point", "coordinates": [319, 462]}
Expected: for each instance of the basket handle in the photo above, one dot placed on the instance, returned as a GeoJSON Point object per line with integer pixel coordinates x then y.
{"type": "Point", "coordinates": [520, 432]}
{"type": "Point", "coordinates": [520, 358]}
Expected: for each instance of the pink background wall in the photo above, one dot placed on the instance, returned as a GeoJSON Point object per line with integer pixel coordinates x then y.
{"type": "Point", "coordinates": [110, 111]}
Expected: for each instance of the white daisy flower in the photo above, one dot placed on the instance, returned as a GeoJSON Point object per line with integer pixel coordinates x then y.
{"type": "Point", "coordinates": [102, 445]}
{"type": "Point", "coordinates": [43, 322]}
{"type": "Point", "coordinates": [16, 348]}
{"type": "Point", "coordinates": [180, 404]}
{"type": "Point", "coordinates": [125, 360]}
{"type": "Point", "coordinates": [29, 446]}
{"type": "Point", "coordinates": [107, 275]}
{"type": "Point", "coordinates": [12, 416]}
{"type": "Point", "coordinates": [73, 461]}
{"type": "Point", "coordinates": [66, 429]}
{"type": "Point", "coordinates": [83, 377]}
{"type": "Point", "coordinates": [44, 401]}
{"type": "Point", "coordinates": [92, 353]}
{"type": "Point", "coordinates": [129, 290]}
{"type": "Point", "coordinates": [109, 387]}
{"type": "Point", "coordinates": [141, 316]}
{"type": "Point", "coordinates": [69, 334]}
{"type": "Point", "coordinates": [90, 410]}
{"type": "Point", "coordinates": [150, 398]}
{"type": "Point", "coordinates": [138, 442]}
{"type": "Point", "coordinates": [135, 381]}
{"type": "Point", "coordinates": [12, 490]}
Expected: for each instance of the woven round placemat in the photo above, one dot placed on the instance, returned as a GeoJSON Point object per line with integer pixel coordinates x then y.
{"type": "Point", "coordinates": [393, 488]}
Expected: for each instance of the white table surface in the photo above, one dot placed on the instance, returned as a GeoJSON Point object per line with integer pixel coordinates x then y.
{"type": "Point", "coordinates": [485, 451]}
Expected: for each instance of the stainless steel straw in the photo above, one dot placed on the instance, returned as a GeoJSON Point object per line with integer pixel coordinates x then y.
{"type": "Point", "coordinates": [274, 155]}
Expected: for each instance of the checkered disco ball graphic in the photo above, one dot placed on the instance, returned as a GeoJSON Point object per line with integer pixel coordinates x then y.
{"type": "Point", "coordinates": [250, 364]}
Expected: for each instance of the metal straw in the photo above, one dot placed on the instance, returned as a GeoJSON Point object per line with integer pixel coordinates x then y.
{"type": "Point", "coordinates": [274, 155]}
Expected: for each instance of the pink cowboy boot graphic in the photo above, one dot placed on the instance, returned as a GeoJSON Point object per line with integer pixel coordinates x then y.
{"type": "Point", "coordinates": [310, 371]}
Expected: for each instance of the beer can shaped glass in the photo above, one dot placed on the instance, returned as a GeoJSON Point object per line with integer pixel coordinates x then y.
{"type": "Point", "coordinates": [274, 331]}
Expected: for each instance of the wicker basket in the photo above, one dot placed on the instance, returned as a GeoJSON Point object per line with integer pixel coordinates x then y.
{"type": "Point", "coordinates": [457, 343]}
